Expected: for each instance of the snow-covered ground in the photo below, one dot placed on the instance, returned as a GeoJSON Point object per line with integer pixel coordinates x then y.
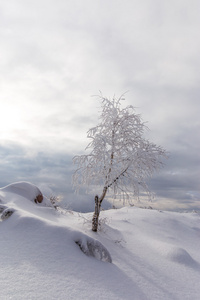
{"type": "Point", "coordinates": [155, 254]}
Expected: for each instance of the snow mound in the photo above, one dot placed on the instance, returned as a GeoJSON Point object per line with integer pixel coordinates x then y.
{"type": "Point", "coordinates": [88, 245]}
{"type": "Point", "coordinates": [24, 189]}
{"type": "Point", "coordinates": [181, 256]}
{"type": "Point", "coordinates": [174, 253]}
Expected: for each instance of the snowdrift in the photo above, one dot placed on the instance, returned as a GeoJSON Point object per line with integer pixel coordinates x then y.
{"type": "Point", "coordinates": [48, 255]}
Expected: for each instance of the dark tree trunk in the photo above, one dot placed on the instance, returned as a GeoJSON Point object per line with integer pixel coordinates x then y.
{"type": "Point", "coordinates": [95, 220]}
{"type": "Point", "coordinates": [98, 201]}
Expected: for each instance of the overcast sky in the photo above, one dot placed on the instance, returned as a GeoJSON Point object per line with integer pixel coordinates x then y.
{"type": "Point", "coordinates": [56, 54]}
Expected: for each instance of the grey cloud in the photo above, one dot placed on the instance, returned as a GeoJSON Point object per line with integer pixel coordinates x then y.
{"type": "Point", "coordinates": [52, 173]}
{"type": "Point", "coordinates": [17, 165]}
{"type": "Point", "coordinates": [56, 55]}
{"type": "Point", "coordinates": [179, 180]}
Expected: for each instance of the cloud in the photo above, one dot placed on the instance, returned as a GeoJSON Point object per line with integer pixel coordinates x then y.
{"type": "Point", "coordinates": [178, 182]}
{"type": "Point", "coordinates": [55, 55]}
{"type": "Point", "coordinates": [52, 173]}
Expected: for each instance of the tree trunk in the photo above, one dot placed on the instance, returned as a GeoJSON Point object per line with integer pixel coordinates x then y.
{"type": "Point", "coordinates": [95, 220]}
{"type": "Point", "coordinates": [98, 201]}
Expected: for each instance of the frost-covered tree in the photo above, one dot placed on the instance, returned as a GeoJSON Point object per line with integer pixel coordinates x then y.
{"type": "Point", "coordinates": [119, 157]}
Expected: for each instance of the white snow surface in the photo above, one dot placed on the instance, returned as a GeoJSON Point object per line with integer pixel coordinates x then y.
{"type": "Point", "coordinates": [155, 254]}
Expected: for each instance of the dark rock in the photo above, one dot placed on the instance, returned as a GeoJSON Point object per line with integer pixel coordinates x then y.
{"type": "Point", "coordinates": [39, 198]}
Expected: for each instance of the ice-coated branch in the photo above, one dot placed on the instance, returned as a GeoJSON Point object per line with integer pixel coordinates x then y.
{"type": "Point", "coordinates": [119, 157]}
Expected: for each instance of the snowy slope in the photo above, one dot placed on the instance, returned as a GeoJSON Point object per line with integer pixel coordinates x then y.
{"type": "Point", "coordinates": [155, 255]}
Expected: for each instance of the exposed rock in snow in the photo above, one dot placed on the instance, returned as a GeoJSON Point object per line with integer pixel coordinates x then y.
{"type": "Point", "coordinates": [39, 198]}
{"type": "Point", "coordinates": [94, 248]}
{"type": "Point", "coordinates": [7, 213]}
